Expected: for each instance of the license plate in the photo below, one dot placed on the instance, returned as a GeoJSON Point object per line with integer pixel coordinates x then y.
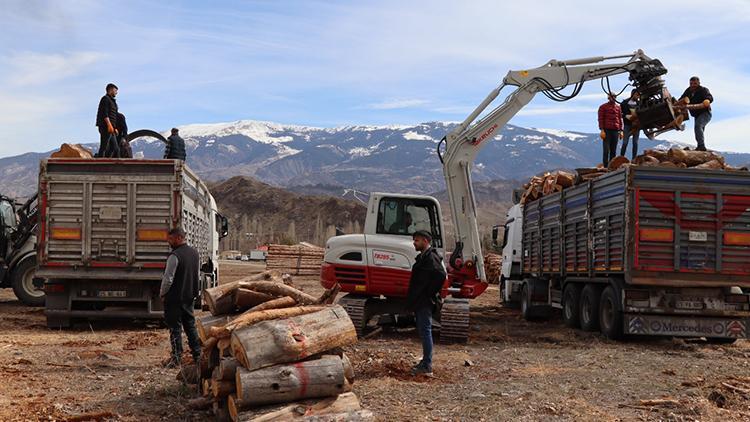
{"type": "Point", "coordinates": [689, 304]}
{"type": "Point", "coordinates": [113, 293]}
{"type": "Point", "coordinates": [698, 236]}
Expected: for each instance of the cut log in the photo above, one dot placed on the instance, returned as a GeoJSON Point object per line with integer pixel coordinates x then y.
{"type": "Point", "coordinates": [235, 407]}
{"type": "Point", "coordinates": [205, 322]}
{"type": "Point", "coordinates": [344, 403]}
{"type": "Point", "coordinates": [253, 317]}
{"type": "Point", "coordinates": [329, 296]}
{"type": "Point", "coordinates": [617, 162]}
{"type": "Point", "coordinates": [322, 377]}
{"type": "Point", "coordinates": [72, 151]}
{"type": "Point", "coordinates": [692, 158]}
{"type": "Point", "coordinates": [658, 154]}
{"type": "Point", "coordinates": [206, 387]}
{"type": "Point", "coordinates": [646, 160]}
{"type": "Point", "coordinates": [280, 341]}
{"type": "Point", "coordinates": [220, 299]}
{"type": "Point", "coordinates": [227, 368]}
{"type": "Point", "coordinates": [200, 403]}
{"type": "Point", "coordinates": [279, 290]}
{"type": "Point", "coordinates": [221, 388]}
{"type": "Point", "coordinates": [278, 303]}
{"type": "Point", "coordinates": [224, 346]}
{"type": "Point", "coordinates": [353, 416]}
{"type": "Point", "coordinates": [245, 298]}
{"type": "Point", "coordinates": [713, 164]}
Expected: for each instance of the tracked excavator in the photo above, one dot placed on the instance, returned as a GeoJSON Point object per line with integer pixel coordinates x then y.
{"type": "Point", "coordinates": [373, 268]}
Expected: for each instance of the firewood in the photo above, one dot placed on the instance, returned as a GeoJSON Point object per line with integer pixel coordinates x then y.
{"type": "Point", "coordinates": [646, 160]}
{"type": "Point", "coordinates": [200, 403]}
{"type": "Point", "coordinates": [245, 298]}
{"type": "Point", "coordinates": [206, 387]}
{"type": "Point", "coordinates": [221, 388]}
{"type": "Point", "coordinates": [253, 317]}
{"type": "Point", "coordinates": [329, 296]}
{"type": "Point", "coordinates": [692, 158]}
{"type": "Point", "coordinates": [278, 303]}
{"type": "Point", "coordinates": [617, 162]}
{"type": "Point", "coordinates": [713, 164]}
{"type": "Point", "coordinates": [223, 345]}
{"type": "Point", "coordinates": [227, 368]}
{"type": "Point", "coordinates": [205, 322]}
{"type": "Point", "coordinates": [659, 402]}
{"type": "Point", "coordinates": [279, 290]}
{"type": "Point", "coordinates": [281, 341]}
{"type": "Point", "coordinates": [344, 403]}
{"type": "Point", "coordinates": [220, 299]}
{"type": "Point", "coordinates": [658, 154]}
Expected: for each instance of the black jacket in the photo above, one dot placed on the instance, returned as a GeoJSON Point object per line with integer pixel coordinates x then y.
{"type": "Point", "coordinates": [427, 279]}
{"type": "Point", "coordinates": [175, 149]}
{"type": "Point", "coordinates": [698, 96]}
{"type": "Point", "coordinates": [186, 285]}
{"type": "Point", "coordinates": [626, 111]}
{"type": "Point", "coordinates": [107, 108]}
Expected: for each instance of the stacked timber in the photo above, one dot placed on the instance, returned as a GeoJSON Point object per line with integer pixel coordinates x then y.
{"type": "Point", "coordinates": [493, 267]}
{"type": "Point", "coordinates": [266, 343]}
{"type": "Point", "coordinates": [72, 151]}
{"type": "Point", "coordinates": [302, 259]}
{"type": "Point", "coordinates": [539, 186]}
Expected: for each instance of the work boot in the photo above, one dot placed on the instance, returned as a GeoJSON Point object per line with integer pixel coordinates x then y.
{"type": "Point", "coordinates": [421, 369]}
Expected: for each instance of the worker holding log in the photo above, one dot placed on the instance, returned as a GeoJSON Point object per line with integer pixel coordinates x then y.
{"type": "Point", "coordinates": [427, 279]}
{"type": "Point", "coordinates": [106, 121]}
{"type": "Point", "coordinates": [180, 286]}
{"type": "Point", "coordinates": [698, 101]}
{"type": "Point", "coordinates": [610, 125]}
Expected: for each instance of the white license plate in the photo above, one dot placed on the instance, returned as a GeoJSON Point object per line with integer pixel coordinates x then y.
{"type": "Point", "coordinates": [689, 304]}
{"type": "Point", "coordinates": [698, 236]}
{"type": "Point", "coordinates": [113, 293]}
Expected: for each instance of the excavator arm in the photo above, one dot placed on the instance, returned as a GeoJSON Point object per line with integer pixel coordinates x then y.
{"type": "Point", "coordinates": [464, 143]}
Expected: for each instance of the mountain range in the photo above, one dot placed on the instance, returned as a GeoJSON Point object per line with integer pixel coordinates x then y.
{"type": "Point", "coordinates": [396, 158]}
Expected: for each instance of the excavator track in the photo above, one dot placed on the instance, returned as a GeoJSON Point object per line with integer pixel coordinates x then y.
{"type": "Point", "coordinates": [454, 321]}
{"type": "Point", "coordinates": [356, 307]}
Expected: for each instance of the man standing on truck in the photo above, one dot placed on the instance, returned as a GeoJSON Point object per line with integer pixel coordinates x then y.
{"type": "Point", "coordinates": [628, 106]}
{"type": "Point", "coordinates": [175, 149]}
{"type": "Point", "coordinates": [106, 121]}
{"type": "Point", "coordinates": [610, 125]}
{"type": "Point", "coordinates": [427, 278]}
{"type": "Point", "coordinates": [699, 106]}
{"type": "Point", "coordinates": [180, 286]}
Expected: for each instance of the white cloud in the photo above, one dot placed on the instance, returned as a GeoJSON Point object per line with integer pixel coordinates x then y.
{"type": "Point", "coordinates": [396, 104]}
{"type": "Point", "coordinates": [722, 135]}
{"type": "Point", "coordinates": [34, 69]}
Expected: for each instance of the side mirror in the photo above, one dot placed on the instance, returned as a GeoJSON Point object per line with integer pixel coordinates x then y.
{"type": "Point", "coordinates": [494, 236]}
{"type": "Point", "coordinates": [224, 227]}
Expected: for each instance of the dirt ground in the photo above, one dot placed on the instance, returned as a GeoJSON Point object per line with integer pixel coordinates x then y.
{"type": "Point", "coordinates": [509, 370]}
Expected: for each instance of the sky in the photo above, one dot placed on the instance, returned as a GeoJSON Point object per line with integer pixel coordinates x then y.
{"type": "Point", "coordinates": [331, 63]}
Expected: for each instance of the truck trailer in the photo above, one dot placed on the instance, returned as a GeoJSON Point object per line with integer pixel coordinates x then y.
{"type": "Point", "coordinates": [102, 240]}
{"type": "Point", "coordinates": [639, 251]}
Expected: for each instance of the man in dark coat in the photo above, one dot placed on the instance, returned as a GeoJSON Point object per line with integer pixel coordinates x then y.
{"type": "Point", "coordinates": [106, 121]}
{"type": "Point", "coordinates": [180, 286]}
{"type": "Point", "coordinates": [699, 106]}
{"type": "Point", "coordinates": [628, 107]}
{"type": "Point", "coordinates": [175, 149]}
{"type": "Point", "coordinates": [427, 279]}
{"type": "Point", "coordinates": [122, 135]}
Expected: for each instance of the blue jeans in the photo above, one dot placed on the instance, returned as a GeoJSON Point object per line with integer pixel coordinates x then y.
{"type": "Point", "coordinates": [424, 328]}
{"type": "Point", "coordinates": [701, 121]}
{"type": "Point", "coordinates": [625, 138]}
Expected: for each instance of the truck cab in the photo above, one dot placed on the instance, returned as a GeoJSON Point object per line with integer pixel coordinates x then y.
{"type": "Point", "coordinates": [510, 275]}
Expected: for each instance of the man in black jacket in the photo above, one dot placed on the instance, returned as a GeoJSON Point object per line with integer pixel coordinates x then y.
{"type": "Point", "coordinates": [122, 137]}
{"type": "Point", "coordinates": [699, 107]}
{"type": "Point", "coordinates": [175, 149]}
{"type": "Point", "coordinates": [106, 121]}
{"type": "Point", "coordinates": [628, 106]}
{"type": "Point", "coordinates": [427, 279]}
{"type": "Point", "coordinates": [180, 286]}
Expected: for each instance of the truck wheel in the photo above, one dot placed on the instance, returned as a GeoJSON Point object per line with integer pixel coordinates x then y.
{"type": "Point", "coordinates": [571, 305]}
{"type": "Point", "coordinates": [23, 283]}
{"type": "Point", "coordinates": [532, 312]}
{"type": "Point", "coordinates": [610, 314]}
{"type": "Point", "coordinates": [590, 308]}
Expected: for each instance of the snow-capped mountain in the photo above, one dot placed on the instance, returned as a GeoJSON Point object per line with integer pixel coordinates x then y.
{"type": "Point", "coordinates": [367, 158]}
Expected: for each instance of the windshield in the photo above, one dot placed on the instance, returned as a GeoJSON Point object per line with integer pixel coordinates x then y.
{"type": "Point", "coordinates": [404, 216]}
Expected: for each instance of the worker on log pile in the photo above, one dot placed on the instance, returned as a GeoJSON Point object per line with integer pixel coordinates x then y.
{"type": "Point", "coordinates": [175, 149]}
{"type": "Point", "coordinates": [628, 106]}
{"type": "Point", "coordinates": [698, 99]}
{"type": "Point", "coordinates": [610, 125]}
{"type": "Point", "coordinates": [423, 297]}
{"type": "Point", "coordinates": [106, 121]}
{"type": "Point", "coordinates": [122, 137]}
{"type": "Point", "coordinates": [180, 287]}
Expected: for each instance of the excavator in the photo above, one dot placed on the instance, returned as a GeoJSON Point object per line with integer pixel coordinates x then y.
{"type": "Point", "coordinates": [373, 268]}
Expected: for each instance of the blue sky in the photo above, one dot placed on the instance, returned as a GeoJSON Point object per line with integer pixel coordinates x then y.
{"type": "Point", "coordinates": [338, 63]}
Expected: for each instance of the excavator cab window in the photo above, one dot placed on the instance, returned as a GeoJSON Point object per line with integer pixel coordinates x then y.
{"type": "Point", "coordinates": [404, 216]}
{"type": "Point", "coordinates": [7, 226]}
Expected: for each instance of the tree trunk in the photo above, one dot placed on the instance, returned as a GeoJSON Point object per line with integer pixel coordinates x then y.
{"type": "Point", "coordinates": [344, 403]}
{"type": "Point", "coordinates": [228, 368]}
{"type": "Point", "coordinates": [200, 403]}
{"type": "Point", "coordinates": [224, 346]}
{"type": "Point", "coordinates": [278, 289]}
{"type": "Point", "coordinates": [282, 302]}
{"type": "Point", "coordinates": [322, 377]}
{"type": "Point", "coordinates": [353, 416]}
{"type": "Point", "coordinates": [220, 388]}
{"type": "Point", "coordinates": [205, 322]}
{"type": "Point", "coordinates": [250, 317]}
{"type": "Point", "coordinates": [692, 158]}
{"type": "Point", "coordinates": [245, 299]}
{"type": "Point", "coordinates": [293, 339]}
{"type": "Point", "coordinates": [220, 299]}
{"type": "Point", "coordinates": [235, 407]}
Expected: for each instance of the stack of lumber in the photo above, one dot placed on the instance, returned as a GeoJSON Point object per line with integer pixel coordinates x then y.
{"type": "Point", "coordinates": [72, 151]}
{"type": "Point", "coordinates": [675, 157]}
{"type": "Point", "coordinates": [268, 343]}
{"type": "Point", "coordinates": [302, 259]}
{"type": "Point", "coordinates": [493, 267]}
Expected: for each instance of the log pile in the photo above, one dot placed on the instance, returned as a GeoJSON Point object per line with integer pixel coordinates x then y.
{"type": "Point", "coordinates": [493, 267]}
{"type": "Point", "coordinates": [72, 151]}
{"type": "Point", "coordinates": [296, 260]}
{"type": "Point", "coordinates": [266, 343]}
{"type": "Point", "coordinates": [539, 186]}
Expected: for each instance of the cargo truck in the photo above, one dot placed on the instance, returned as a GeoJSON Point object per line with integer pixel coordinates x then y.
{"type": "Point", "coordinates": [639, 251]}
{"type": "Point", "coordinates": [102, 240]}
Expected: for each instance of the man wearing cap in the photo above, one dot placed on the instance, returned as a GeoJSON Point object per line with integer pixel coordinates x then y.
{"type": "Point", "coordinates": [175, 149]}
{"type": "Point", "coordinates": [423, 297]}
{"type": "Point", "coordinates": [106, 121]}
{"type": "Point", "coordinates": [698, 99]}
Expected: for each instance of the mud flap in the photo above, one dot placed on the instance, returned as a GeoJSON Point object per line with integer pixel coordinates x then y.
{"type": "Point", "coordinates": [657, 325]}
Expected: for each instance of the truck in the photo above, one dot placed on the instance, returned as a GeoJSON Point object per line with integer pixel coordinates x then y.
{"type": "Point", "coordinates": [373, 268]}
{"type": "Point", "coordinates": [639, 251]}
{"type": "Point", "coordinates": [18, 250]}
{"type": "Point", "coordinates": [102, 238]}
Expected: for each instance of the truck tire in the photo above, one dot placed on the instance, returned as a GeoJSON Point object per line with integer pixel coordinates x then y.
{"type": "Point", "coordinates": [23, 283]}
{"type": "Point", "coordinates": [529, 311]}
{"type": "Point", "coordinates": [610, 314]}
{"type": "Point", "coordinates": [571, 306]}
{"type": "Point", "coordinates": [589, 306]}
